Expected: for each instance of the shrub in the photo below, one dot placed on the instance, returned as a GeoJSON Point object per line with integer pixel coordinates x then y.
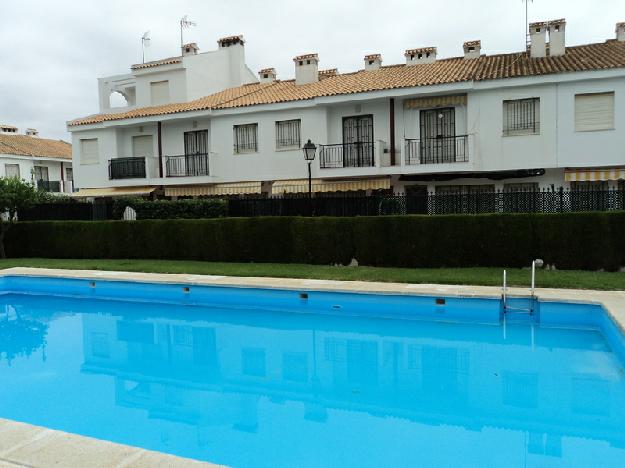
{"type": "Point", "coordinates": [570, 241]}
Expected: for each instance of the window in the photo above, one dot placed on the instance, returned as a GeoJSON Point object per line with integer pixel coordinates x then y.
{"type": "Point", "coordinates": [594, 112]}
{"type": "Point", "coordinates": [246, 138]}
{"type": "Point", "coordinates": [69, 174]}
{"type": "Point", "coordinates": [12, 170]}
{"type": "Point", "coordinates": [253, 362]}
{"type": "Point", "coordinates": [41, 173]}
{"type": "Point", "coordinates": [288, 134]}
{"type": "Point", "coordinates": [159, 92]}
{"type": "Point", "coordinates": [89, 151]}
{"type": "Point", "coordinates": [142, 146]}
{"type": "Point", "coordinates": [521, 116]}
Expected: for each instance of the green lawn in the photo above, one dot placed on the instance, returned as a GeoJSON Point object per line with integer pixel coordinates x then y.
{"type": "Point", "coordinates": [472, 276]}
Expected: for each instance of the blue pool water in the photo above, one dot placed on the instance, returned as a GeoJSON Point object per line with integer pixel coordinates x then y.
{"type": "Point", "coordinates": [253, 378]}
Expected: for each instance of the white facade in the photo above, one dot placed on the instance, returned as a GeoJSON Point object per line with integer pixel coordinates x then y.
{"type": "Point", "coordinates": [47, 171]}
{"type": "Point", "coordinates": [478, 148]}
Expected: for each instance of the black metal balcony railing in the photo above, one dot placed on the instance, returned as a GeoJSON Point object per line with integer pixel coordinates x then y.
{"type": "Point", "coordinates": [359, 154]}
{"type": "Point", "coordinates": [49, 185]}
{"type": "Point", "coordinates": [441, 150]}
{"type": "Point", "coordinates": [127, 168]}
{"type": "Point", "coordinates": [189, 165]}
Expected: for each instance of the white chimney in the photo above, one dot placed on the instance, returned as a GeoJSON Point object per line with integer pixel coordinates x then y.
{"type": "Point", "coordinates": [557, 43]}
{"type": "Point", "coordinates": [267, 75]}
{"type": "Point", "coordinates": [538, 39]}
{"type": "Point", "coordinates": [306, 69]}
{"type": "Point", "coordinates": [472, 49]}
{"type": "Point", "coordinates": [373, 62]}
{"type": "Point", "coordinates": [32, 132]}
{"type": "Point", "coordinates": [190, 49]}
{"type": "Point", "coordinates": [620, 32]}
{"type": "Point", "coordinates": [420, 56]}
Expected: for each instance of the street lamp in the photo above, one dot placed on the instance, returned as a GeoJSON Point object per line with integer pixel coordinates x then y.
{"type": "Point", "coordinates": [309, 150]}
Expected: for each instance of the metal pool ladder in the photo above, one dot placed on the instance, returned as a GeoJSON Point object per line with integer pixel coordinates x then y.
{"type": "Point", "coordinates": [509, 304]}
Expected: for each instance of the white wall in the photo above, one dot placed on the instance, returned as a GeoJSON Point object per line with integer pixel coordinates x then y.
{"type": "Point", "coordinates": [590, 149]}
{"type": "Point", "coordinates": [493, 150]}
{"type": "Point", "coordinates": [177, 86]}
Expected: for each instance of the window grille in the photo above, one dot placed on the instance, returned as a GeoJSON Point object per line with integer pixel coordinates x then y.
{"type": "Point", "coordinates": [246, 138]}
{"type": "Point", "coordinates": [521, 116]}
{"type": "Point", "coordinates": [288, 134]}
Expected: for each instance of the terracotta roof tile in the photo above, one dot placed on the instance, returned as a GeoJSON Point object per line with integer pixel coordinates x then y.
{"type": "Point", "coordinates": [156, 63]}
{"type": "Point", "coordinates": [373, 57]}
{"type": "Point", "coordinates": [610, 54]}
{"type": "Point", "coordinates": [24, 145]}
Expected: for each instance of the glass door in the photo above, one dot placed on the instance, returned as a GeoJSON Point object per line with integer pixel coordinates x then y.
{"type": "Point", "coordinates": [196, 152]}
{"type": "Point", "coordinates": [438, 135]}
{"type": "Point", "coordinates": [358, 141]}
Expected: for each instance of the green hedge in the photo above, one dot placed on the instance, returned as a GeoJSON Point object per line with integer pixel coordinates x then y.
{"type": "Point", "coordinates": [172, 209]}
{"type": "Point", "coordinates": [589, 241]}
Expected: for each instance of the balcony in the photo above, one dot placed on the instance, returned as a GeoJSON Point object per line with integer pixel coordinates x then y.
{"type": "Point", "coordinates": [440, 150]}
{"type": "Point", "coordinates": [359, 154]}
{"type": "Point", "coordinates": [53, 186]}
{"type": "Point", "coordinates": [191, 165]}
{"type": "Point", "coordinates": [127, 168]}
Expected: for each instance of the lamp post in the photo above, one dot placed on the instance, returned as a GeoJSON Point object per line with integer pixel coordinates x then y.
{"type": "Point", "coordinates": [309, 150]}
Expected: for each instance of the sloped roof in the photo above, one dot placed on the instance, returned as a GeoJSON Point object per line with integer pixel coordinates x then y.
{"type": "Point", "coordinates": [24, 145]}
{"type": "Point", "coordinates": [157, 63]}
{"type": "Point", "coordinates": [600, 56]}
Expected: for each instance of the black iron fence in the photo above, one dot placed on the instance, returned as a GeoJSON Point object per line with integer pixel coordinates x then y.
{"type": "Point", "coordinates": [544, 201]}
{"type": "Point", "coordinates": [127, 168]}
{"type": "Point", "coordinates": [189, 165]}
{"type": "Point", "coordinates": [359, 154]}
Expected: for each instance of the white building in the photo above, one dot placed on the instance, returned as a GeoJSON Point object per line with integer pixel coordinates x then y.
{"type": "Point", "coordinates": [45, 163]}
{"type": "Point", "coordinates": [202, 124]}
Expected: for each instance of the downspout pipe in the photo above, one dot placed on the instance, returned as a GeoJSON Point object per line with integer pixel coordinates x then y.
{"type": "Point", "coordinates": [392, 129]}
{"type": "Point", "coordinates": [160, 150]}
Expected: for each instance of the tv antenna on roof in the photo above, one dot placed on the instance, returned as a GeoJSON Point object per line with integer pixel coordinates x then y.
{"type": "Point", "coordinates": [527, 27]}
{"type": "Point", "coordinates": [145, 42]}
{"type": "Point", "coordinates": [185, 23]}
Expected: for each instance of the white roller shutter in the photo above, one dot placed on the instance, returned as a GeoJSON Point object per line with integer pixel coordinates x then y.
{"type": "Point", "coordinates": [142, 146]}
{"type": "Point", "coordinates": [594, 112]}
{"type": "Point", "coordinates": [89, 151]}
{"type": "Point", "coordinates": [159, 92]}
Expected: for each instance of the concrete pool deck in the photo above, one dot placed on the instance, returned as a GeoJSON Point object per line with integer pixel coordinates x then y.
{"type": "Point", "coordinates": [23, 445]}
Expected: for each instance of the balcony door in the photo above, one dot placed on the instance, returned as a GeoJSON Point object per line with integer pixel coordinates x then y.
{"type": "Point", "coordinates": [358, 141]}
{"type": "Point", "coordinates": [196, 152]}
{"type": "Point", "coordinates": [438, 132]}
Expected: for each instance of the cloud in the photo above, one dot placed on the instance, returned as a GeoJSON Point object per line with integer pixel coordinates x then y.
{"type": "Point", "coordinates": [57, 50]}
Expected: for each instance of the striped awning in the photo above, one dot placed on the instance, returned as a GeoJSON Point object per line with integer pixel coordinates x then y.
{"type": "Point", "coordinates": [329, 185]}
{"type": "Point", "coordinates": [236, 188]}
{"type": "Point", "coordinates": [113, 192]}
{"type": "Point", "coordinates": [435, 101]}
{"type": "Point", "coordinates": [594, 174]}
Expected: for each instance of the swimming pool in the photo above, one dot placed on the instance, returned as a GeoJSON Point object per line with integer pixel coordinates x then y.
{"type": "Point", "coordinates": [279, 378]}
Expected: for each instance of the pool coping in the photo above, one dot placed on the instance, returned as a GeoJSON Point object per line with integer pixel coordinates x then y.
{"type": "Point", "coordinates": [26, 445]}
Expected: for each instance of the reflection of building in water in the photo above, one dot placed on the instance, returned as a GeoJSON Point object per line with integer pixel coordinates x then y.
{"type": "Point", "coordinates": [209, 373]}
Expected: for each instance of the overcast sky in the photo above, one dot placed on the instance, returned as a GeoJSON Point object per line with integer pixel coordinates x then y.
{"type": "Point", "coordinates": [53, 50]}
